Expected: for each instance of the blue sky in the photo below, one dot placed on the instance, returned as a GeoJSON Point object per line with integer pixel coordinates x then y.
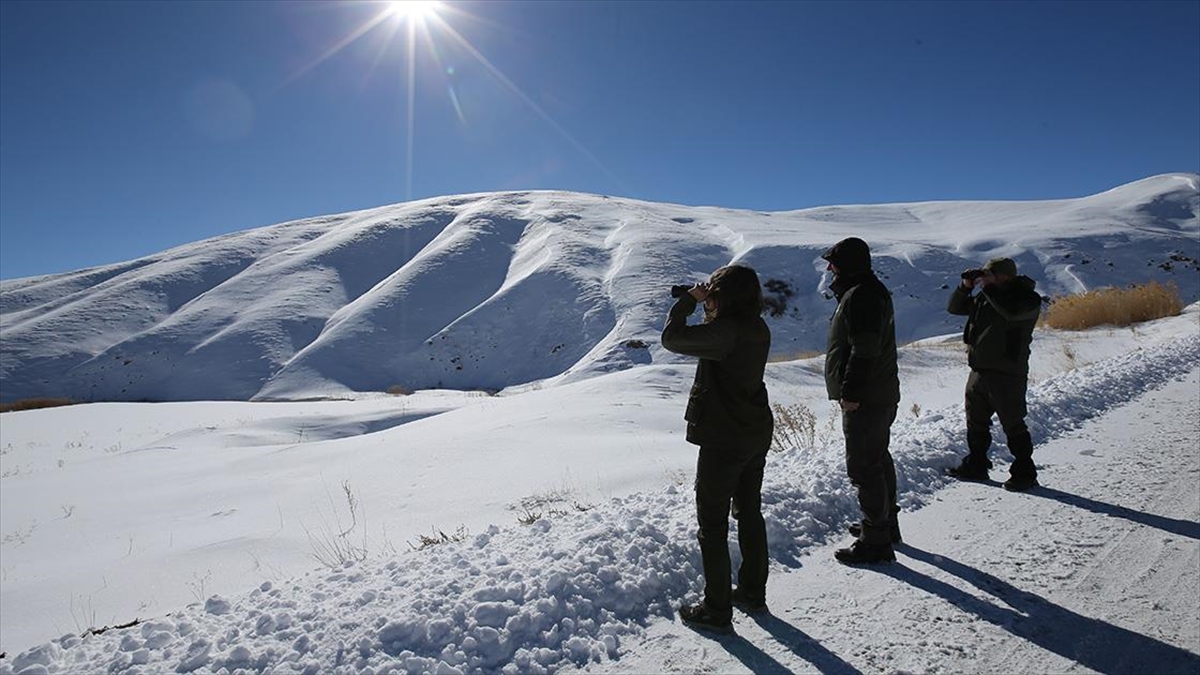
{"type": "Point", "coordinates": [128, 128]}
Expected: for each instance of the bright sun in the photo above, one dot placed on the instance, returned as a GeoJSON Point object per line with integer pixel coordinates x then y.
{"type": "Point", "coordinates": [414, 9]}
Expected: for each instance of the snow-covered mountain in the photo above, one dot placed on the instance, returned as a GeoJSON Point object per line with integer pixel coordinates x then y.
{"type": "Point", "coordinates": [492, 290]}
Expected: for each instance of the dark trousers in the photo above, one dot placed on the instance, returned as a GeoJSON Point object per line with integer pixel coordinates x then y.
{"type": "Point", "coordinates": [868, 431]}
{"type": "Point", "coordinates": [724, 477]}
{"type": "Point", "coordinates": [991, 393]}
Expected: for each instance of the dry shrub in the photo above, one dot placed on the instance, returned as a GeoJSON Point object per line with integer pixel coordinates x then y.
{"type": "Point", "coordinates": [795, 427]}
{"type": "Point", "coordinates": [34, 404]}
{"type": "Point", "coordinates": [399, 390]}
{"type": "Point", "coordinates": [424, 541]}
{"type": "Point", "coordinates": [1114, 306]}
{"type": "Point", "coordinates": [331, 544]}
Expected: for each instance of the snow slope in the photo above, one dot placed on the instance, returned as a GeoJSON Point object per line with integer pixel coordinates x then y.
{"type": "Point", "coordinates": [493, 290]}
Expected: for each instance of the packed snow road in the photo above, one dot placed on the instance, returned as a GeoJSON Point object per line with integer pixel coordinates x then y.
{"type": "Point", "coordinates": [1098, 570]}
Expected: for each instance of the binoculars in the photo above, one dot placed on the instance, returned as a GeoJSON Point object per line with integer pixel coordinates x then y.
{"type": "Point", "coordinates": [973, 274]}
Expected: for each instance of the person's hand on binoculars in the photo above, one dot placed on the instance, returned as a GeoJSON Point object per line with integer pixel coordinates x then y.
{"type": "Point", "coordinates": [699, 292]}
{"type": "Point", "coordinates": [975, 278]}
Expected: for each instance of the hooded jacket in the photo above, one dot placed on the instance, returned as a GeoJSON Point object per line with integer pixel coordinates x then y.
{"type": "Point", "coordinates": [1000, 324]}
{"type": "Point", "coordinates": [860, 356]}
{"type": "Point", "coordinates": [728, 403]}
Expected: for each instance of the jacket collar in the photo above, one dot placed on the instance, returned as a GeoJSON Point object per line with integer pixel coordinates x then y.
{"type": "Point", "coordinates": [845, 281]}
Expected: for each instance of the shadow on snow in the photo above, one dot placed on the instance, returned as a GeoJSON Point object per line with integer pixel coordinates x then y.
{"type": "Point", "coordinates": [1182, 528]}
{"type": "Point", "coordinates": [1096, 644]}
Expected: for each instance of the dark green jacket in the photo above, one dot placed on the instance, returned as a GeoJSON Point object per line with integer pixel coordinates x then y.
{"type": "Point", "coordinates": [728, 404]}
{"type": "Point", "coordinates": [860, 358]}
{"type": "Point", "coordinates": [1000, 324]}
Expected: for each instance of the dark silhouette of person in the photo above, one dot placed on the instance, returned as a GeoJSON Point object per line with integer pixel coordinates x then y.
{"type": "Point", "coordinates": [1000, 322]}
{"type": "Point", "coordinates": [862, 376]}
{"type": "Point", "coordinates": [729, 417]}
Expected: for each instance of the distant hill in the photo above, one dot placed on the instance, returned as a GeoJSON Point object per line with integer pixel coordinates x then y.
{"type": "Point", "coordinates": [487, 291]}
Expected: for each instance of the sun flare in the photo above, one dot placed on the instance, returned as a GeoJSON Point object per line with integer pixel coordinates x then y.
{"type": "Point", "coordinates": [426, 22]}
{"type": "Point", "coordinates": [413, 9]}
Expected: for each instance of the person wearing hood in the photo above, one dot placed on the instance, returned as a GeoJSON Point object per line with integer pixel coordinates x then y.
{"type": "Point", "coordinates": [1000, 322]}
{"type": "Point", "coordinates": [862, 376]}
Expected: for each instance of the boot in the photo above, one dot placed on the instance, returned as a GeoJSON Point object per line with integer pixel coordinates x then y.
{"type": "Point", "coordinates": [855, 529]}
{"type": "Point", "coordinates": [1020, 483]}
{"type": "Point", "coordinates": [699, 616]}
{"type": "Point", "coordinates": [1022, 473]}
{"type": "Point", "coordinates": [747, 603]}
{"type": "Point", "coordinates": [865, 554]}
{"type": "Point", "coordinates": [972, 467]}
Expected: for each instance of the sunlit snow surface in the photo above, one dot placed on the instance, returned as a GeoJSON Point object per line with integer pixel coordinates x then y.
{"type": "Point", "coordinates": [570, 495]}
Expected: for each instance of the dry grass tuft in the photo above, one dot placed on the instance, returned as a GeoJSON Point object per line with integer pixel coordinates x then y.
{"type": "Point", "coordinates": [424, 541]}
{"type": "Point", "coordinates": [34, 404]}
{"type": "Point", "coordinates": [781, 357]}
{"type": "Point", "coordinates": [795, 427]}
{"type": "Point", "coordinates": [1114, 306]}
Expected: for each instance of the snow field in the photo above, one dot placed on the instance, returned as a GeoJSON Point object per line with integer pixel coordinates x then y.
{"type": "Point", "coordinates": [565, 591]}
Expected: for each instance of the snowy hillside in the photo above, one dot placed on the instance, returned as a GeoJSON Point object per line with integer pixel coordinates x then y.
{"type": "Point", "coordinates": [489, 291]}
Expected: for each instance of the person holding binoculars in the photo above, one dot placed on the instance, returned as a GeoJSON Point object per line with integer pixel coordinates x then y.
{"type": "Point", "coordinates": [729, 417]}
{"type": "Point", "coordinates": [999, 331]}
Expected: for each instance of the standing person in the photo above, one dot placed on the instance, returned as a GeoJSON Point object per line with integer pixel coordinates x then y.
{"type": "Point", "coordinates": [862, 376]}
{"type": "Point", "coordinates": [728, 416]}
{"type": "Point", "coordinates": [999, 330]}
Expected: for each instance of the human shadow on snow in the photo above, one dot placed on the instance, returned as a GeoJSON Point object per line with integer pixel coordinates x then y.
{"type": "Point", "coordinates": [803, 645]}
{"type": "Point", "coordinates": [755, 659]}
{"type": "Point", "coordinates": [1182, 528]}
{"type": "Point", "coordinates": [1096, 644]}
{"type": "Point", "coordinates": [800, 644]}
